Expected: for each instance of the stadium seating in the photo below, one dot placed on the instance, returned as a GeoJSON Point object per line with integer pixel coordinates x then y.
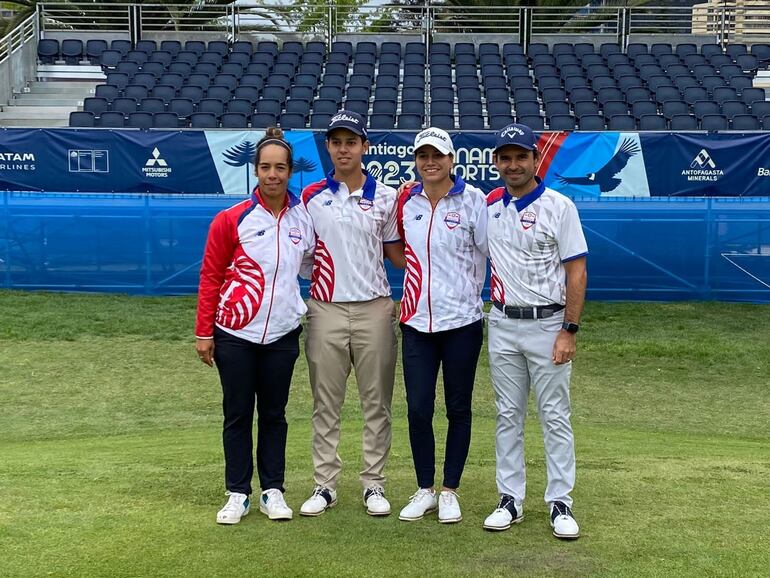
{"type": "Point", "coordinates": [462, 86]}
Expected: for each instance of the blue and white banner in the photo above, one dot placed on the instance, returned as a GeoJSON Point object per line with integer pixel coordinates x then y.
{"type": "Point", "coordinates": [602, 164]}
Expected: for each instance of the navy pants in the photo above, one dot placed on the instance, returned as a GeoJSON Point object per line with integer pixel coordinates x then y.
{"type": "Point", "coordinates": [247, 371]}
{"type": "Point", "coordinates": [457, 352]}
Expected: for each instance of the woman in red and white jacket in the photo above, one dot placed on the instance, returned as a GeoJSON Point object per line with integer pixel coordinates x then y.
{"type": "Point", "coordinates": [443, 222]}
{"type": "Point", "coordinates": [249, 321]}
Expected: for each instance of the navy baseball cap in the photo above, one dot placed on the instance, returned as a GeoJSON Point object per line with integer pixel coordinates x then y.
{"type": "Point", "coordinates": [517, 135]}
{"type": "Point", "coordinates": [349, 120]}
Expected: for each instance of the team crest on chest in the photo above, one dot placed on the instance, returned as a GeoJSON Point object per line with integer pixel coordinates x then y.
{"type": "Point", "coordinates": [452, 220]}
{"type": "Point", "coordinates": [365, 204]}
{"type": "Point", "coordinates": [528, 219]}
{"type": "Point", "coordinates": [295, 235]}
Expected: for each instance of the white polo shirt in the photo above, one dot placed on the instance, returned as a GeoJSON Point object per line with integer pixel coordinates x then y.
{"type": "Point", "coordinates": [530, 239]}
{"type": "Point", "coordinates": [351, 227]}
{"type": "Point", "coordinates": [445, 257]}
{"type": "Point", "coordinates": [248, 282]}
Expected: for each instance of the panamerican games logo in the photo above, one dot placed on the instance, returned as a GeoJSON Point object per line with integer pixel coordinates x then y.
{"type": "Point", "coordinates": [703, 168]}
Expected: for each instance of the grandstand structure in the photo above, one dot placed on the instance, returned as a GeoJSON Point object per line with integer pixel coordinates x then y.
{"type": "Point", "coordinates": [622, 69]}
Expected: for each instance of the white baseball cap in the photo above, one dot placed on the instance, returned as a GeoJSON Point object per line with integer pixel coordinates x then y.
{"type": "Point", "coordinates": [437, 138]}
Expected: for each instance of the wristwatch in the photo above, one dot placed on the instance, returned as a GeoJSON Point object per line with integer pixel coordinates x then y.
{"type": "Point", "coordinates": [570, 327]}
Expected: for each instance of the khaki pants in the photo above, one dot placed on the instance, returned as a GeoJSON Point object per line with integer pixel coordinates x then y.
{"type": "Point", "coordinates": [361, 333]}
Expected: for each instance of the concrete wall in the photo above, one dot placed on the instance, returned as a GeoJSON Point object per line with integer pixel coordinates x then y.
{"type": "Point", "coordinates": [18, 69]}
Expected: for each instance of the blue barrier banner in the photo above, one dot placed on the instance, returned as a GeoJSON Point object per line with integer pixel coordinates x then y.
{"type": "Point", "coordinates": [578, 164]}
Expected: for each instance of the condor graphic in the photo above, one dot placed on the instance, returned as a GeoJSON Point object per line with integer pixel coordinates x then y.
{"type": "Point", "coordinates": [604, 177]}
{"type": "Point", "coordinates": [241, 295]}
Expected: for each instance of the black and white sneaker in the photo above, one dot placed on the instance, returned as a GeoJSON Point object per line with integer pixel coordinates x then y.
{"type": "Point", "coordinates": [322, 499]}
{"type": "Point", "coordinates": [504, 515]}
{"type": "Point", "coordinates": [375, 501]}
{"type": "Point", "coordinates": [563, 522]}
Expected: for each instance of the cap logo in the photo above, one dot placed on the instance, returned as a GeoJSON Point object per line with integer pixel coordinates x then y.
{"type": "Point", "coordinates": [430, 133]}
{"type": "Point", "coordinates": [511, 131]}
{"type": "Point", "coordinates": [343, 117]}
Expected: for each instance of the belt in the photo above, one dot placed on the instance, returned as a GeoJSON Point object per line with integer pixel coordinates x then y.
{"type": "Point", "coordinates": [513, 312]}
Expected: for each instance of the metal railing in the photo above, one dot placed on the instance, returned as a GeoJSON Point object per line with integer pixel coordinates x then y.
{"type": "Point", "coordinates": [327, 21]}
{"type": "Point", "coordinates": [15, 39]}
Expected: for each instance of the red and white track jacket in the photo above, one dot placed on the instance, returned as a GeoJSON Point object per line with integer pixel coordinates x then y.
{"type": "Point", "coordinates": [248, 283]}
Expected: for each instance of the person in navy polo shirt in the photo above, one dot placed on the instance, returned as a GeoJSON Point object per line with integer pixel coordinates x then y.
{"type": "Point", "coordinates": [538, 257]}
{"type": "Point", "coordinates": [249, 321]}
{"type": "Point", "coordinates": [443, 223]}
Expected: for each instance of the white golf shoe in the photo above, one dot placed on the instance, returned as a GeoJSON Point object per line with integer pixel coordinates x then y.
{"type": "Point", "coordinates": [321, 500]}
{"type": "Point", "coordinates": [375, 501]}
{"type": "Point", "coordinates": [449, 508]}
{"type": "Point", "coordinates": [504, 515]}
{"type": "Point", "coordinates": [563, 522]}
{"type": "Point", "coordinates": [272, 504]}
{"type": "Point", "coordinates": [237, 507]}
{"type": "Point", "coordinates": [422, 502]}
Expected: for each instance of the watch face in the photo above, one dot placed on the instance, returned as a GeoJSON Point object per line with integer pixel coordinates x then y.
{"type": "Point", "coordinates": [570, 327]}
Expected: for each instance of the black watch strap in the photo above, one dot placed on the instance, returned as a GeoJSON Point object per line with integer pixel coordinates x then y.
{"type": "Point", "coordinates": [570, 327]}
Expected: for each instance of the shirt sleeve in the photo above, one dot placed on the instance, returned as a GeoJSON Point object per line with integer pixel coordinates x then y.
{"type": "Point", "coordinates": [390, 231]}
{"type": "Point", "coordinates": [217, 257]}
{"type": "Point", "coordinates": [480, 226]}
{"type": "Point", "coordinates": [308, 257]}
{"type": "Point", "coordinates": [572, 242]}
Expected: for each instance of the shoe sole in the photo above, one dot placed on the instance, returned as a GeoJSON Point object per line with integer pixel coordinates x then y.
{"type": "Point", "coordinates": [232, 522]}
{"type": "Point", "coordinates": [450, 520]}
{"type": "Point", "coordinates": [405, 519]}
{"type": "Point", "coordinates": [518, 520]}
{"type": "Point", "coordinates": [566, 536]}
{"type": "Point", "coordinates": [378, 514]}
{"type": "Point", "coordinates": [274, 517]}
{"type": "Point", "coordinates": [316, 514]}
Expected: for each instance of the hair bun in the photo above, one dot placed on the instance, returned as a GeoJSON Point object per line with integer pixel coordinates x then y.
{"type": "Point", "coordinates": [274, 132]}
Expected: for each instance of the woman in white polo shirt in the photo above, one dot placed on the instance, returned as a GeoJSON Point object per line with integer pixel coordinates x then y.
{"type": "Point", "coordinates": [248, 323]}
{"type": "Point", "coordinates": [443, 222]}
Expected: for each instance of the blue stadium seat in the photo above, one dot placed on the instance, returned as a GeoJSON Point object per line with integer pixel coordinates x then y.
{"type": "Point", "coordinates": [581, 95]}
{"type": "Point", "coordinates": [181, 107]}
{"type": "Point", "coordinates": [533, 122]}
{"type": "Point", "coordinates": [335, 93]}
{"type": "Point", "coordinates": [735, 50]}
{"type": "Point", "coordinates": [714, 122]}
{"type": "Point", "coordinates": [152, 105]}
{"type": "Point", "coordinates": [82, 119]}
{"type": "Point", "coordinates": [203, 120]}
{"type": "Point", "coordinates": [121, 45]}
{"type": "Point", "coordinates": [317, 121]}
{"type": "Point", "coordinates": [141, 120]}
{"type": "Point", "coordinates": [583, 48]}
{"type": "Point", "coordinates": [301, 93]}
{"type": "Point", "coordinates": [384, 106]}
{"type": "Point", "coordinates": [672, 108]}
{"type": "Point", "coordinates": [325, 106]}
{"type": "Point", "coordinates": [382, 121]}
{"type": "Point", "coordinates": [740, 83]}
{"type": "Point", "coordinates": [642, 108]}
{"type": "Point", "coordinates": [732, 108]}
{"type": "Point", "coordinates": [614, 108]}
{"type": "Point", "coordinates": [652, 122]}
{"type": "Point", "coordinates": [110, 59]}
{"type": "Point", "coordinates": [112, 119]}
{"type": "Point", "coordinates": [124, 106]}
{"type": "Point", "coordinates": [752, 95]}
{"type": "Point", "coordinates": [744, 122]}
{"type": "Point", "coordinates": [637, 94]}
{"type": "Point", "coordinates": [107, 91]}
{"type": "Point", "coordinates": [636, 48]}
{"type": "Point", "coordinates": [441, 107]}
{"type": "Point", "coordinates": [194, 93]}
{"type": "Point", "coordinates": [118, 79]}
{"type": "Point", "coordinates": [409, 121]}
{"type": "Point", "coordinates": [500, 121]}
{"type": "Point", "coordinates": [712, 82]}
{"type": "Point", "coordinates": [557, 108]}
{"type": "Point", "coordinates": [524, 108]}
{"type": "Point", "coordinates": [665, 93]}
{"type": "Point", "coordinates": [384, 93]}
{"type": "Point", "coordinates": [244, 46]}
{"type": "Point", "coordinates": [621, 122]}
{"type": "Point", "coordinates": [608, 94]}
{"type": "Point", "coordinates": [445, 121]}
{"type": "Point", "coordinates": [234, 120]}
{"type": "Point", "coordinates": [268, 46]}
{"type": "Point", "coordinates": [94, 50]}
{"type": "Point", "coordinates": [96, 105]}
{"type": "Point", "coordinates": [269, 106]}
{"type": "Point", "coordinates": [165, 120]}
{"type": "Point", "coordinates": [760, 109]}
{"type": "Point", "coordinates": [48, 50]}
{"type": "Point", "coordinates": [413, 107]}
{"type": "Point", "coordinates": [72, 50]}
{"type": "Point", "coordinates": [246, 107]}
{"type": "Point", "coordinates": [413, 93]}
{"type": "Point", "coordinates": [702, 108]}
{"type": "Point", "coordinates": [585, 108]}
{"type": "Point", "coordinates": [212, 106]}
{"type": "Point", "coordinates": [591, 122]}
{"type": "Point", "coordinates": [561, 122]}
{"type": "Point", "coordinates": [708, 50]}
{"type": "Point", "coordinates": [277, 93]}
{"type": "Point", "coordinates": [471, 122]}
{"type": "Point", "coordinates": [500, 108]}
{"type": "Point", "coordinates": [173, 47]}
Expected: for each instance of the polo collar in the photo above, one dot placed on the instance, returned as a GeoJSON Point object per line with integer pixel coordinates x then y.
{"type": "Point", "coordinates": [290, 201]}
{"type": "Point", "coordinates": [458, 186]}
{"type": "Point", "coordinates": [525, 201]}
{"type": "Point", "coordinates": [369, 188]}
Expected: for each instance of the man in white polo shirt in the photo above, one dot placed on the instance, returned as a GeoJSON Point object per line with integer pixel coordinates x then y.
{"type": "Point", "coordinates": [538, 254]}
{"type": "Point", "coordinates": [351, 316]}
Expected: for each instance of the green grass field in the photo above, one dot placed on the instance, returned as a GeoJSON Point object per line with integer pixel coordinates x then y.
{"type": "Point", "coordinates": [111, 464]}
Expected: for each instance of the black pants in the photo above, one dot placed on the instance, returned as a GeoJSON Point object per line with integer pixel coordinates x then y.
{"type": "Point", "coordinates": [457, 351]}
{"type": "Point", "coordinates": [247, 370]}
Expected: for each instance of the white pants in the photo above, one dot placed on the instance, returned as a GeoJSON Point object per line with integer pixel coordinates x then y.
{"type": "Point", "coordinates": [520, 356]}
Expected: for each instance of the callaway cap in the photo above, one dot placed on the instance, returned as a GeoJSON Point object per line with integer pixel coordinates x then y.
{"type": "Point", "coordinates": [349, 120]}
{"type": "Point", "coordinates": [437, 138]}
{"type": "Point", "coordinates": [516, 135]}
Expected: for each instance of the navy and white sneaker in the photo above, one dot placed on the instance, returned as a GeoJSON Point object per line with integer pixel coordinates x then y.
{"type": "Point", "coordinates": [375, 501]}
{"type": "Point", "coordinates": [504, 515]}
{"type": "Point", "coordinates": [237, 507]}
{"type": "Point", "coordinates": [322, 499]}
{"type": "Point", "coordinates": [563, 522]}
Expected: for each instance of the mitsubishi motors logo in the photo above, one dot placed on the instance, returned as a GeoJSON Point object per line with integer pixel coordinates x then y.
{"type": "Point", "coordinates": [703, 168]}
{"type": "Point", "coordinates": [156, 166]}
